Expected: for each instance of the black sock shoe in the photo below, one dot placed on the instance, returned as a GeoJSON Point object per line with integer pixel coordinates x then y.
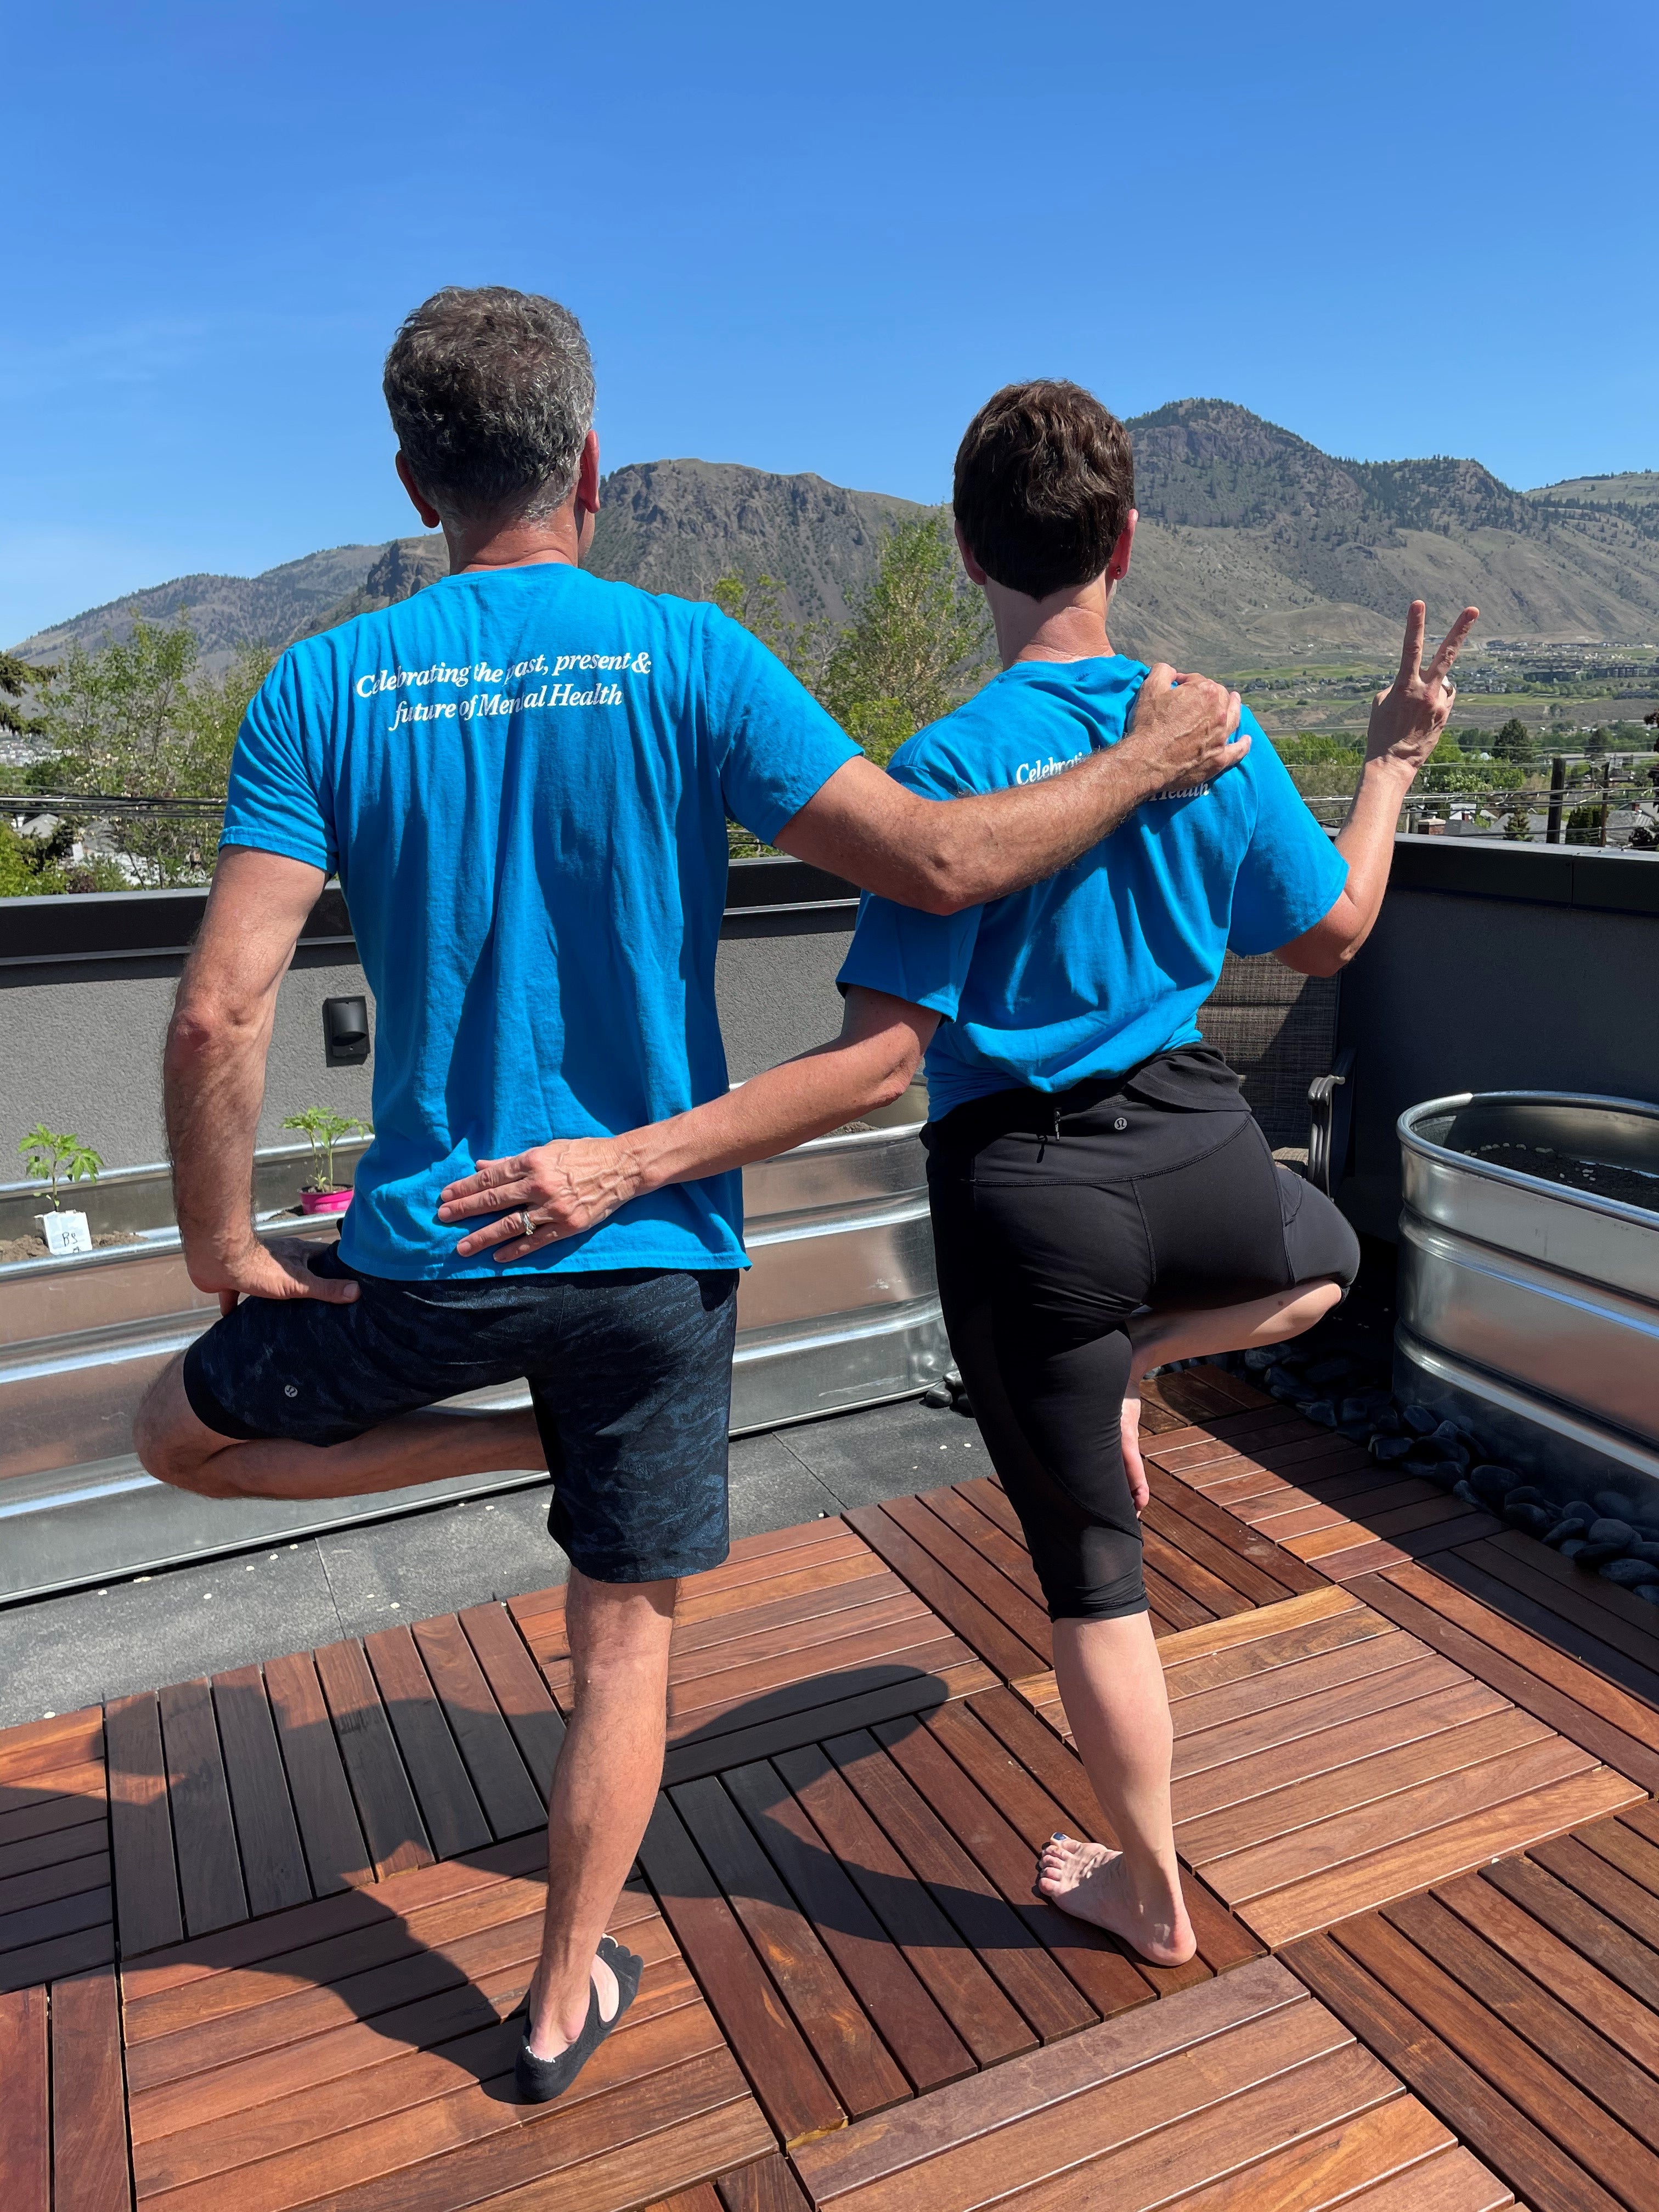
{"type": "Point", "coordinates": [538, 2081]}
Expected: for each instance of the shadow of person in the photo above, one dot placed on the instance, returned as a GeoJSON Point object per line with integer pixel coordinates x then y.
{"type": "Point", "coordinates": [55, 1895]}
{"type": "Point", "coordinates": [374, 2022]}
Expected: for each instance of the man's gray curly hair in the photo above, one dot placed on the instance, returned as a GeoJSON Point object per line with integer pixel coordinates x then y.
{"type": "Point", "coordinates": [491, 395]}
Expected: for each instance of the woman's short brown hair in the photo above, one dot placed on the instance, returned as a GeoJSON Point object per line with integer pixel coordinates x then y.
{"type": "Point", "coordinates": [1044, 483]}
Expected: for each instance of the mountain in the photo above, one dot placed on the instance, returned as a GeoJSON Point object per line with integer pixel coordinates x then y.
{"type": "Point", "coordinates": [224, 611]}
{"type": "Point", "coordinates": [1255, 546]}
{"type": "Point", "coordinates": [679, 525]}
{"type": "Point", "coordinates": [1638, 489]}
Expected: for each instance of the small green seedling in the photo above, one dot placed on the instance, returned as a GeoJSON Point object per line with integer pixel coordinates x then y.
{"type": "Point", "coordinates": [324, 1130]}
{"type": "Point", "coordinates": [55, 1156]}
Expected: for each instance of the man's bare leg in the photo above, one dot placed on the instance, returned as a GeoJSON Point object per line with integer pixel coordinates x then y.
{"type": "Point", "coordinates": [177, 1448]}
{"type": "Point", "coordinates": [1111, 1679]}
{"type": "Point", "coordinates": [604, 1787]}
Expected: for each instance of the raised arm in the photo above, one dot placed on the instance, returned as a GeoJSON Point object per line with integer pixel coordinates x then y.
{"type": "Point", "coordinates": [214, 1077]}
{"type": "Point", "coordinates": [1406, 723]}
{"type": "Point", "coordinates": [942, 855]}
{"type": "Point", "coordinates": [574, 1183]}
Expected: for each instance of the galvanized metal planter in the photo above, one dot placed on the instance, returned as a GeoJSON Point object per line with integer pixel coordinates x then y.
{"type": "Point", "coordinates": [838, 1309]}
{"type": "Point", "coordinates": [1528, 1310]}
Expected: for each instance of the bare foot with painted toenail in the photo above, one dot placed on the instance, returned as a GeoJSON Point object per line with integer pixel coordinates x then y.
{"type": "Point", "coordinates": [1093, 1884]}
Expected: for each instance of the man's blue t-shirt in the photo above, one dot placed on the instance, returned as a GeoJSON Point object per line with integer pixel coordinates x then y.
{"type": "Point", "coordinates": [1106, 964]}
{"type": "Point", "coordinates": [523, 777]}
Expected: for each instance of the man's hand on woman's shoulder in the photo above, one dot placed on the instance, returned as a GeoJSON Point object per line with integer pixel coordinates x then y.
{"type": "Point", "coordinates": [1183, 729]}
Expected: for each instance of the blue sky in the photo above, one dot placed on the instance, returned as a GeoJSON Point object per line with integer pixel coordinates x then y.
{"type": "Point", "coordinates": [802, 238]}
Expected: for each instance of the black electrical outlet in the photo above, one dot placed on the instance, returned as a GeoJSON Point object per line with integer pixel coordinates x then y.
{"type": "Point", "coordinates": [345, 1031]}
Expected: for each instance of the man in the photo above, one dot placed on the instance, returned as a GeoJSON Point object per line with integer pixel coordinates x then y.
{"type": "Point", "coordinates": [1101, 1199]}
{"type": "Point", "coordinates": [523, 777]}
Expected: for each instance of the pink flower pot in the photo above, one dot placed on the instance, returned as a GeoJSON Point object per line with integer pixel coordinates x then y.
{"type": "Point", "coordinates": [325, 1201]}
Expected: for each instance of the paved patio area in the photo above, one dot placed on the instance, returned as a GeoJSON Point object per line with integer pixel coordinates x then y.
{"type": "Point", "coordinates": [262, 1930]}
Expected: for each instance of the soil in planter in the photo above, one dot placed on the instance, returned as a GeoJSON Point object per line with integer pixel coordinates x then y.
{"type": "Point", "coordinates": [13, 1249]}
{"type": "Point", "coordinates": [1628, 1186]}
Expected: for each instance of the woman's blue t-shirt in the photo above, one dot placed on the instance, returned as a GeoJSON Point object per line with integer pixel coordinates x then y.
{"type": "Point", "coordinates": [1108, 962]}
{"type": "Point", "coordinates": [523, 778]}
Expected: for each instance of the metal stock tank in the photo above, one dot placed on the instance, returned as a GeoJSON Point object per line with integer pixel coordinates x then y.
{"type": "Point", "coordinates": [838, 1309]}
{"type": "Point", "coordinates": [1528, 1298]}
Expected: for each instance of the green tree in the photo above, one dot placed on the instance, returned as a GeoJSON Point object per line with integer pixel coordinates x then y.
{"type": "Point", "coordinates": [757, 602]}
{"type": "Point", "coordinates": [138, 719]}
{"type": "Point", "coordinates": [19, 876]}
{"type": "Point", "coordinates": [917, 644]}
{"type": "Point", "coordinates": [1310, 749]}
{"type": "Point", "coordinates": [1514, 742]}
{"type": "Point", "coordinates": [16, 678]}
{"type": "Point", "coordinates": [1595, 745]}
{"type": "Point", "coordinates": [1584, 825]}
{"type": "Point", "coordinates": [1517, 821]}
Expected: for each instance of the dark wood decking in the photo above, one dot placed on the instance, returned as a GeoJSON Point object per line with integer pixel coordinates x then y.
{"type": "Point", "coordinates": [260, 1937]}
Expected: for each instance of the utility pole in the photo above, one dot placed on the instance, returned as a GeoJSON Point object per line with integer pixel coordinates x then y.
{"type": "Point", "coordinates": [1557, 795]}
{"type": "Point", "coordinates": [1607, 770]}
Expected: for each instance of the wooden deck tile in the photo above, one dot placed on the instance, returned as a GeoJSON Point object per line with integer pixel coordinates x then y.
{"type": "Point", "coordinates": [768, 2186]}
{"type": "Point", "coordinates": [1327, 1761]}
{"type": "Point", "coordinates": [198, 1801]}
{"type": "Point", "coordinates": [1244, 2092]}
{"type": "Point", "coordinates": [915, 2030]}
{"type": "Point", "coordinates": [795, 2092]}
{"type": "Point", "coordinates": [1535, 1673]}
{"type": "Point", "coordinates": [515, 1683]}
{"type": "Point", "coordinates": [802, 1634]}
{"type": "Point", "coordinates": [56, 1898]}
{"type": "Point", "coordinates": [26, 2137]}
{"type": "Point", "coordinates": [1519, 2005]}
{"type": "Point", "coordinates": [88, 2119]}
{"type": "Point", "coordinates": [906, 1912]}
{"type": "Point", "coordinates": [337, 1856]}
{"type": "Point", "coordinates": [326, 1882]}
{"type": "Point", "coordinates": [141, 1825]}
{"type": "Point", "coordinates": [360, 2050]}
{"type": "Point", "coordinates": [273, 1860]}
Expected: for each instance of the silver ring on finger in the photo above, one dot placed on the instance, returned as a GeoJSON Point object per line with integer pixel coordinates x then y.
{"type": "Point", "coordinates": [527, 1226]}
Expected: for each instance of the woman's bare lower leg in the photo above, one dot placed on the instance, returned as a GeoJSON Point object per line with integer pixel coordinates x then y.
{"type": "Point", "coordinates": [1111, 1680]}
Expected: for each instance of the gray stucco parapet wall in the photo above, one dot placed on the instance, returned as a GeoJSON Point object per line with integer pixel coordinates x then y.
{"type": "Point", "coordinates": [99, 926]}
{"type": "Point", "coordinates": [1549, 875]}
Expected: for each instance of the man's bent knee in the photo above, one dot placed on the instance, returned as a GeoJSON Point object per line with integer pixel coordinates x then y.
{"type": "Point", "coordinates": [174, 1445]}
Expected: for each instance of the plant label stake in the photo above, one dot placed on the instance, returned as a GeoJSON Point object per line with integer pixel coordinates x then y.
{"type": "Point", "coordinates": [64, 1233]}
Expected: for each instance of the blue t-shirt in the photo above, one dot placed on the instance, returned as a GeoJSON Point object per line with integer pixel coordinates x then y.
{"type": "Point", "coordinates": [523, 778]}
{"type": "Point", "coordinates": [1108, 962]}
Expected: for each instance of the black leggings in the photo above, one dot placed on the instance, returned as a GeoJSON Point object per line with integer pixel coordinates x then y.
{"type": "Point", "coordinates": [1055, 1219]}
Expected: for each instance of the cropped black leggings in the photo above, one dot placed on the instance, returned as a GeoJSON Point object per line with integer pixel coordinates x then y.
{"type": "Point", "coordinates": [1052, 1224]}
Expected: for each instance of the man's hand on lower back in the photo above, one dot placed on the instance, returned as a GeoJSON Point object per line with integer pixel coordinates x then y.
{"type": "Point", "coordinates": [278, 1268]}
{"type": "Point", "coordinates": [1182, 729]}
{"type": "Point", "coordinates": [561, 1188]}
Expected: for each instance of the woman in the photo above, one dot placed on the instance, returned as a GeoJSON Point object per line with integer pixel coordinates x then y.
{"type": "Point", "coordinates": [1103, 1199]}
